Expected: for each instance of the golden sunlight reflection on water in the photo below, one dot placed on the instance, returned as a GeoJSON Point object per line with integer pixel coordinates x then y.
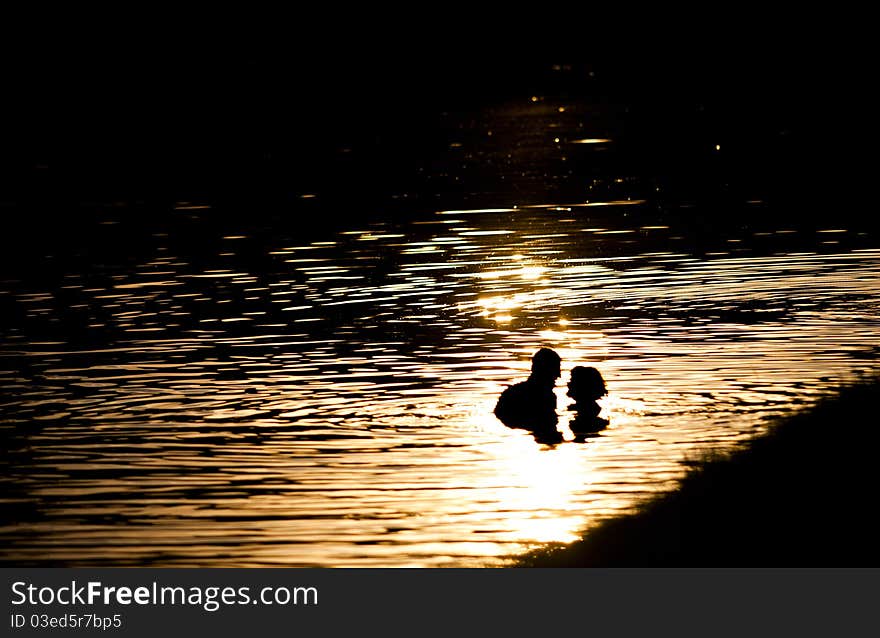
{"type": "Point", "coordinates": [337, 408]}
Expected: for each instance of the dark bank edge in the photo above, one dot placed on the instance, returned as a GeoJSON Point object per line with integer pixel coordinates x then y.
{"type": "Point", "coordinates": [799, 496]}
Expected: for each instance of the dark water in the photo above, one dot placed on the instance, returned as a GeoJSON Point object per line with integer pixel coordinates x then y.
{"type": "Point", "coordinates": [251, 384]}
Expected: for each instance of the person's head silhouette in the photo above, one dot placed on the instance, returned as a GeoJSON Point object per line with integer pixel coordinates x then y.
{"type": "Point", "coordinates": [586, 384]}
{"type": "Point", "coordinates": [546, 367]}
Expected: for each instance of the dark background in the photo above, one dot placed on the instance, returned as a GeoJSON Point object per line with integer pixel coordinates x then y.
{"type": "Point", "coordinates": [136, 121]}
{"type": "Point", "coordinates": [88, 121]}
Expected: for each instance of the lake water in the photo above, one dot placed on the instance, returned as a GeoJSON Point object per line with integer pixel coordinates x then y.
{"type": "Point", "coordinates": [250, 394]}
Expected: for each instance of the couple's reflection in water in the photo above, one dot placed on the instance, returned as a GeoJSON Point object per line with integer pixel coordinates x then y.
{"type": "Point", "coordinates": [531, 404]}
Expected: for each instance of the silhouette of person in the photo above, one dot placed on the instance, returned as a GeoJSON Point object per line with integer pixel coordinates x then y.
{"type": "Point", "coordinates": [585, 386]}
{"type": "Point", "coordinates": [531, 404]}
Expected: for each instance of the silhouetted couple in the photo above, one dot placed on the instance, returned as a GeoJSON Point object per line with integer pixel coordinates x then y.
{"type": "Point", "coordinates": [531, 404]}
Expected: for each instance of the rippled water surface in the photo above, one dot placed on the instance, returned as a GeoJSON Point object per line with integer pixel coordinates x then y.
{"type": "Point", "coordinates": [327, 400]}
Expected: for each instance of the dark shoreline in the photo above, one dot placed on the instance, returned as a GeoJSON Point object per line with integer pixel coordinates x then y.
{"type": "Point", "coordinates": [797, 497]}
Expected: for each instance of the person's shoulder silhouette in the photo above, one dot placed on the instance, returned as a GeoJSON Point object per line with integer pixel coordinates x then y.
{"type": "Point", "coordinates": [526, 405]}
{"type": "Point", "coordinates": [531, 404]}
